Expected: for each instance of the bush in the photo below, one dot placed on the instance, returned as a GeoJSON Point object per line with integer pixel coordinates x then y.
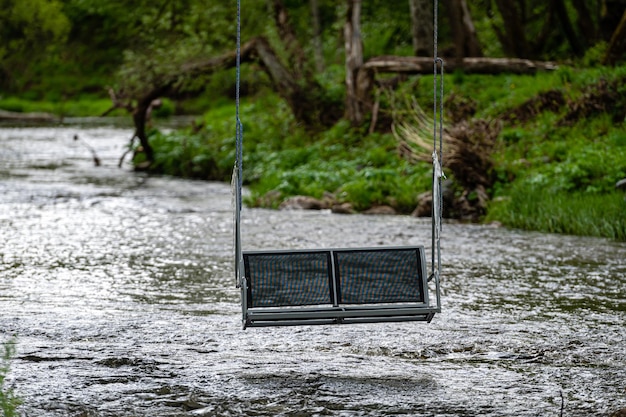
{"type": "Point", "coordinates": [190, 154]}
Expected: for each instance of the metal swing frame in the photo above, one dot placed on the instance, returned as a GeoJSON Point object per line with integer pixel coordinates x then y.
{"type": "Point", "coordinates": [340, 285]}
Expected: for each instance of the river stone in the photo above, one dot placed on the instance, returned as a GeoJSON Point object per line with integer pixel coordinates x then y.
{"type": "Point", "coordinates": [387, 210]}
{"type": "Point", "coordinates": [424, 205]}
{"type": "Point", "coordinates": [619, 413]}
{"type": "Point", "coordinates": [344, 208]}
{"type": "Point", "coordinates": [270, 199]}
{"type": "Point", "coordinates": [302, 202]}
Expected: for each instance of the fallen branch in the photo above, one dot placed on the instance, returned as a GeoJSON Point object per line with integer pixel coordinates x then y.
{"type": "Point", "coordinates": [117, 103]}
{"type": "Point", "coordinates": [469, 65]}
{"type": "Point", "coordinates": [94, 155]}
{"type": "Point", "coordinates": [30, 117]}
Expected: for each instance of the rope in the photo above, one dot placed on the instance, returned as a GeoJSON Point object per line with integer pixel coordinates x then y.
{"type": "Point", "coordinates": [437, 199]}
{"type": "Point", "coordinates": [438, 72]}
{"type": "Point", "coordinates": [238, 168]}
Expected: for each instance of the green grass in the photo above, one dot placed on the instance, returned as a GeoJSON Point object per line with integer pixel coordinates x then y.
{"type": "Point", "coordinates": [494, 94]}
{"type": "Point", "coordinates": [551, 175]}
{"type": "Point", "coordinates": [85, 106]}
{"type": "Point", "coordinates": [281, 158]}
{"type": "Point", "coordinates": [555, 176]}
{"type": "Point", "coordinates": [8, 400]}
{"type": "Point", "coordinates": [534, 208]}
{"type": "Point", "coordinates": [578, 163]}
{"type": "Point", "coordinates": [365, 173]}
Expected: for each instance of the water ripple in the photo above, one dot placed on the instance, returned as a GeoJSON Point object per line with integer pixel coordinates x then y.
{"type": "Point", "coordinates": [119, 287]}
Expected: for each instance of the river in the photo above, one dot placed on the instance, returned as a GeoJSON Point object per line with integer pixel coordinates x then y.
{"type": "Point", "coordinates": [118, 287]}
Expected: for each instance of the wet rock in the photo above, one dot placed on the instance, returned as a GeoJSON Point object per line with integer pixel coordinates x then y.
{"type": "Point", "coordinates": [424, 205]}
{"type": "Point", "coordinates": [494, 224]}
{"type": "Point", "coordinates": [385, 210]}
{"type": "Point", "coordinates": [270, 199]}
{"type": "Point", "coordinates": [344, 208]}
{"type": "Point", "coordinates": [619, 413]}
{"type": "Point", "coordinates": [206, 411]}
{"type": "Point", "coordinates": [329, 199]}
{"type": "Point", "coordinates": [143, 166]}
{"type": "Point", "coordinates": [302, 202]}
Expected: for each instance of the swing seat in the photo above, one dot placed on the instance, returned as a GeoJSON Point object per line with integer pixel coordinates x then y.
{"type": "Point", "coordinates": [335, 286]}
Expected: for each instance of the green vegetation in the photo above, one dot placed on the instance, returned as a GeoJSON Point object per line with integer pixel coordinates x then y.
{"type": "Point", "coordinates": [282, 160]}
{"type": "Point", "coordinates": [8, 401]}
{"type": "Point", "coordinates": [364, 171]}
{"type": "Point", "coordinates": [534, 208]}
{"type": "Point", "coordinates": [559, 136]}
{"type": "Point", "coordinates": [82, 106]}
{"type": "Point", "coordinates": [556, 165]}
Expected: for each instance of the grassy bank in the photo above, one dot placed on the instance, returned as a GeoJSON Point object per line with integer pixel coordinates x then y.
{"type": "Point", "coordinates": [281, 160]}
{"type": "Point", "coordinates": [600, 215]}
{"type": "Point", "coordinates": [560, 151]}
{"type": "Point", "coordinates": [84, 106]}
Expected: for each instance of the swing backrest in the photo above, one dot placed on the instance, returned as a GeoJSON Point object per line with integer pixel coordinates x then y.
{"type": "Point", "coordinates": [335, 277]}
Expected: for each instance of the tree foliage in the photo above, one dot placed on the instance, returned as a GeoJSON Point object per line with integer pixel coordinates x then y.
{"type": "Point", "coordinates": [28, 28]}
{"type": "Point", "coordinates": [135, 44]}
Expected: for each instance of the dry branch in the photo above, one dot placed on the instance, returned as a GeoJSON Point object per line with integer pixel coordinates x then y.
{"type": "Point", "coordinates": [470, 65]}
{"type": "Point", "coordinates": [467, 150]}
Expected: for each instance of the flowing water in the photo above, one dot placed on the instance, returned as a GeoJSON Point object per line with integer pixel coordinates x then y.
{"type": "Point", "coordinates": [119, 289]}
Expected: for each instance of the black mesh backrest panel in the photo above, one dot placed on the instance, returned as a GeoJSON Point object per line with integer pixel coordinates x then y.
{"type": "Point", "coordinates": [288, 279]}
{"type": "Point", "coordinates": [379, 276]}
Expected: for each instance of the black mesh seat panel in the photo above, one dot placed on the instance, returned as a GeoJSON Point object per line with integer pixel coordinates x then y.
{"type": "Point", "coordinates": [289, 278]}
{"type": "Point", "coordinates": [379, 276]}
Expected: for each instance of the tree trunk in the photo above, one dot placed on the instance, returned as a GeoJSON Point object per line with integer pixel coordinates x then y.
{"type": "Point", "coordinates": [318, 51]}
{"type": "Point", "coordinates": [611, 13]}
{"type": "Point", "coordinates": [141, 114]}
{"type": "Point", "coordinates": [354, 60]}
{"type": "Point", "coordinates": [567, 28]}
{"type": "Point", "coordinates": [289, 39]}
{"type": "Point", "coordinates": [456, 27]}
{"type": "Point", "coordinates": [540, 41]}
{"type": "Point", "coordinates": [513, 39]}
{"type": "Point", "coordinates": [472, 45]}
{"type": "Point", "coordinates": [422, 26]}
{"type": "Point", "coordinates": [585, 21]}
{"type": "Point", "coordinates": [617, 46]}
{"type": "Point", "coordinates": [304, 100]}
{"type": "Point", "coordinates": [470, 65]}
{"type": "Point", "coordinates": [284, 81]}
{"type": "Point", "coordinates": [463, 30]}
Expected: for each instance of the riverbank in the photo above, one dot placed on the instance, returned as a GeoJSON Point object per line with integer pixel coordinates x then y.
{"type": "Point", "coordinates": [553, 166]}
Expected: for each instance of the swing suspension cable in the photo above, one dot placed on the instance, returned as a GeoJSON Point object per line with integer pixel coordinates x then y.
{"type": "Point", "coordinates": [237, 180]}
{"type": "Point", "coordinates": [437, 198]}
{"type": "Point", "coordinates": [438, 91]}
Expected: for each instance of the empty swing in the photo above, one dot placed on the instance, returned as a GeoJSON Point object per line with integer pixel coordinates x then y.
{"type": "Point", "coordinates": [340, 285]}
